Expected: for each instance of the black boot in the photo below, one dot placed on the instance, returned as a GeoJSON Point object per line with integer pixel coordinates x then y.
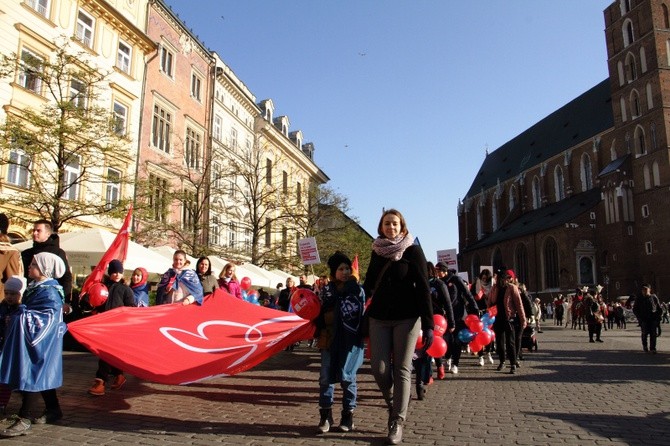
{"type": "Point", "coordinates": [420, 391]}
{"type": "Point", "coordinates": [347, 421]}
{"type": "Point", "coordinates": [326, 420]}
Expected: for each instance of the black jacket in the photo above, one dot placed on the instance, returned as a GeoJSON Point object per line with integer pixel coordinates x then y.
{"type": "Point", "coordinates": [120, 295]}
{"type": "Point", "coordinates": [648, 308]}
{"type": "Point", "coordinates": [52, 245]}
{"type": "Point", "coordinates": [403, 291]}
{"type": "Point", "coordinates": [461, 299]}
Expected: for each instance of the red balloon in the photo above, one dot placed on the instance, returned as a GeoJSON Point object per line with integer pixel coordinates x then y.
{"type": "Point", "coordinates": [492, 311]}
{"type": "Point", "coordinates": [438, 347]}
{"type": "Point", "coordinates": [470, 319]}
{"type": "Point", "coordinates": [245, 284]}
{"type": "Point", "coordinates": [306, 304]}
{"type": "Point", "coordinates": [476, 327]}
{"type": "Point", "coordinates": [419, 341]}
{"type": "Point", "coordinates": [440, 325]}
{"type": "Point", "coordinates": [475, 346]}
{"type": "Point", "coordinates": [97, 294]}
{"type": "Point", "coordinates": [483, 338]}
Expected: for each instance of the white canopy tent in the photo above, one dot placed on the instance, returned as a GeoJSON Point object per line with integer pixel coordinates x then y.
{"type": "Point", "coordinates": [168, 252]}
{"type": "Point", "coordinates": [86, 247]}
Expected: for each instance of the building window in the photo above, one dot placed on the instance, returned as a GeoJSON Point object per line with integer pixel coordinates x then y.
{"type": "Point", "coordinates": [559, 184]}
{"type": "Point", "coordinates": [192, 152]}
{"type": "Point", "coordinates": [551, 264]}
{"type": "Point", "coordinates": [631, 68]}
{"type": "Point", "coordinates": [123, 57]}
{"type": "Point", "coordinates": [158, 197]}
{"type": "Point", "coordinates": [585, 173]}
{"type": "Point", "coordinates": [161, 129]}
{"type": "Point", "coordinates": [268, 232]}
{"type": "Point", "coordinates": [188, 210]}
{"type": "Point", "coordinates": [30, 73]}
{"type": "Point", "coordinates": [648, 248]}
{"type": "Point", "coordinates": [512, 198]}
{"type": "Point", "coordinates": [196, 87]}
{"type": "Point", "coordinates": [494, 213]}
{"type": "Point", "coordinates": [268, 171]}
{"type": "Point", "coordinates": [218, 127]}
{"type": "Point", "coordinates": [285, 182]}
{"type": "Point", "coordinates": [298, 193]}
{"type": "Point", "coordinates": [247, 241]}
{"type": "Point", "coordinates": [233, 138]}
{"type": "Point", "coordinates": [284, 240]}
{"type": "Point", "coordinates": [645, 211]}
{"type": "Point", "coordinates": [41, 6]}
{"type": "Point", "coordinates": [635, 104]}
{"type": "Point", "coordinates": [214, 234]}
{"type": "Point", "coordinates": [78, 94]}
{"type": "Point", "coordinates": [625, 7]}
{"type": "Point", "coordinates": [628, 34]}
{"type": "Point", "coordinates": [167, 61]}
{"type": "Point", "coordinates": [480, 222]}
{"type": "Point", "coordinates": [71, 177]}
{"type": "Point", "coordinates": [216, 177]}
{"type": "Point", "coordinates": [641, 146]}
{"type": "Point", "coordinates": [85, 27]}
{"type": "Point", "coordinates": [113, 189]}
{"type": "Point", "coordinates": [666, 17]}
{"type": "Point", "coordinates": [232, 186]}
{"type": "Point", "coordinates": [536, 197]}
{"type": "Point", "coordinates": [120, 119]}
{"type": "Point", "coordinates": [18, 171]}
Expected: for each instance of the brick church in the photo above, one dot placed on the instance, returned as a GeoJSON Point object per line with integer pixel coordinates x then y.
{"type": "Point", "coordinates": [583, 196]}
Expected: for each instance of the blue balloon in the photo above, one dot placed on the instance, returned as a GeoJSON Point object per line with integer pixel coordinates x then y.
{"type": "Point", "coordinates": [492, 319]}
{"type": "Point", "coordinates": [245, 297]}
{"type": "Point", "coordinates": [486, 319]}
{"type": "Point", "coordinates": [465, 336]}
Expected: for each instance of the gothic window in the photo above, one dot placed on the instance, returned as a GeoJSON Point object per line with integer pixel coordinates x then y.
{"type": "Point", "coordinates": [537, 203]}
{"type": "Point", "coordinates": [521, 262]}
{"type": "Point", "coordinates": [550, 263]}
{"type": "Point", "coordinates": [585, 172]}
{"type": "Point", "coordinates": [559, 184]}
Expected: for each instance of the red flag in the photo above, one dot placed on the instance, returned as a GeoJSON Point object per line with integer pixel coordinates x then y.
{"type": "Point", "coordinates": [117, 250]}
{"type": "Point", "coordinates": [354, 268]}
{"type": "Point", "coordinates": [177, 344]}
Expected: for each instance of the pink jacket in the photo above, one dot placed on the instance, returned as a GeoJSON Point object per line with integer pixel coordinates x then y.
{"type": "Point", "coordinates": [232, 287]}
{"type": "Point", "coordinates": [512, 302]}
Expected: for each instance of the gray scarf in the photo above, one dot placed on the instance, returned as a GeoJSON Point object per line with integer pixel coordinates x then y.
{"type": "Point", "coordinates": [392, 249]}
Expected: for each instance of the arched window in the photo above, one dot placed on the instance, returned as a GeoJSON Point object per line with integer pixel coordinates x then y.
{"type": "Point", "coordinates": [655, 174]}
{"type": "Point", "coordinates": [559, 184]}
{"type": "Point", "coordinates": [631, 68]}
{"type": "Point", "coordinates": [613, 154]}
{"type": "Point", "coordinates": [625, 6]}
{"type": "Point", "coordinates": [521, 262]}
{"type": "Point", "coordinates": [497, 260]}
{"type": "Point", "coordinates": [628, 143]}
{"type": "Point", "coordinates": [622, 105]}
{"type": "Point", "coordinates": [622, 75]}
{"type": "Point", "coordinates": [640, 144]}
{"type": "Point", "coordinates": [635, 109]}
{"type": "Point", "coordinates": [586, 270]}
{"type": "Point", "coordinates": [550, 263]}
{"type": "Point", "coordinates": [666, 18]}
{"type": "Point", "coordinates": [643, 60]}
{"type": "Point", "coordinates": [585, 172]}
{"type": "Point", "coordinates": [494, 213]}
{"type": "Point", "coordinates": [646, 176]}
{"type": "Point", "coordinates": [537, 198]}
{"type": "Point", "coordinates": [512, 198]}
{"type": "Point", "coordinates": [628, 34]}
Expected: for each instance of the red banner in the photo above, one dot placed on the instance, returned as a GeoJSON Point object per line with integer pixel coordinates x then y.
{"type": "Point", "coordinates": [177, 344]}
{"type": "Point", "coordinates": [117, 250]}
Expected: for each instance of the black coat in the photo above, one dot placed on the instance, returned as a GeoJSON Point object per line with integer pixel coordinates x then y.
{"type": "Point", "coordinates": [52, 245]}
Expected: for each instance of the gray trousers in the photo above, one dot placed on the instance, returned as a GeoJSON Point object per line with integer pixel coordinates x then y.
{"type": "Point", "coordinates": [392, 345]}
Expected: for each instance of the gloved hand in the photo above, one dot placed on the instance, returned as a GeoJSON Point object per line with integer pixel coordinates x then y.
{"type": "Point", "coordinates": [427, 338]}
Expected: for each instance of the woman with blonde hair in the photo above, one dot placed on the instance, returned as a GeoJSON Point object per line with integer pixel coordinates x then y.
{"type": "Point", "coordinates": [228, 281]}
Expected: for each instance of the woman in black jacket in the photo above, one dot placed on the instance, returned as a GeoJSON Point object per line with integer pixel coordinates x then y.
{"type": "Point", "coordinates": [401, 306]}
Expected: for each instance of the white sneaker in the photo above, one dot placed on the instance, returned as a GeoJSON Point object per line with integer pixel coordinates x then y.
{"type": "Point", "coordinates": [454, 369]}
{"type": "Point", "coordinates": [490, 358]}
{"type": "Point", "coordinates": [481, 361]}
{"type": "Point", "coordinates": [449, 365]}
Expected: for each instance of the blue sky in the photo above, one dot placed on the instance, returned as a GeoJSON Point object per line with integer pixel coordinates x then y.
{"type": "Point", "coordinates": [402, 98]}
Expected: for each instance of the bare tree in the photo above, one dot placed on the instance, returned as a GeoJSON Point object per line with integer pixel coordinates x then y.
{"type": "Point", "coordinates": [55, 153]}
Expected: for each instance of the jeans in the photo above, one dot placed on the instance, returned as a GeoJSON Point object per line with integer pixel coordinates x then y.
{"type": "Point", "coordinates": [327, 389]}
{"type": "Point", "coordinates": [455, 345]}
{"type": "Point", "coordinates": [392, 345]}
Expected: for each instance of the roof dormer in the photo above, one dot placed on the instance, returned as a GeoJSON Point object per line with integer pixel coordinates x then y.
{"type": "Point", "coordinates": [296, 137]}
{"type": "Point", "coordinates": [282, 124]}
{"type": "Point", "coordinates": [267, 109]}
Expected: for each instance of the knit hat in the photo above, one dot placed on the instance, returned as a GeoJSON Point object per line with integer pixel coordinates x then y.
{"type": "Point", "coordinates": [336, 260]}
{"type": "Point", "coordinates": [510, 273]}
{"type": "Point", "coordinates": [16, 284]}
{"type": "Point", "coordinates": [4, 224]}
{"type": "Point", "coordinates": [115, 266]}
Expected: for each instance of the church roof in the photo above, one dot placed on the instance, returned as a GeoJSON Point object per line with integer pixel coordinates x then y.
{"type": "Point", "coordinates": [550, 216]}
{"type": "Point", "coordinates": [582, 118]}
